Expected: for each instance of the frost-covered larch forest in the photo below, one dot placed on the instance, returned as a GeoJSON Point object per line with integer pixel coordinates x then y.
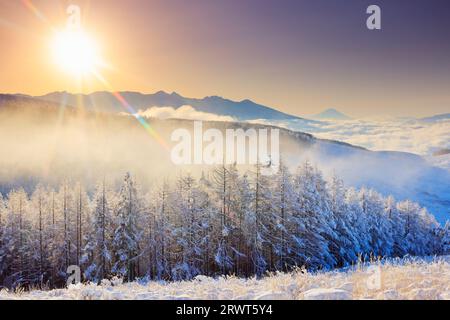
{"type": "Point", "coordinates": [224, 223]}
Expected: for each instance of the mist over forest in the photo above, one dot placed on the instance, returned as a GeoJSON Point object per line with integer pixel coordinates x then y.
{"type": "Point", "coordinates": [44, 142]}
{"type": "Point", "coordinates": [100, 190]}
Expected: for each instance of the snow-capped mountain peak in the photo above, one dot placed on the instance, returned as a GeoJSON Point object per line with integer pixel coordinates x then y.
{"type": "Point", "coordinates": [331, 114]}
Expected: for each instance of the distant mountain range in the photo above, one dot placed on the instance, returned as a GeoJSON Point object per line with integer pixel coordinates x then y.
{"type": "Point", "coordinates": [439, 117]}
{"type": "Point", "coordinates": [244, 110]}
{"type": "Point", "coordinates": [331, 114]}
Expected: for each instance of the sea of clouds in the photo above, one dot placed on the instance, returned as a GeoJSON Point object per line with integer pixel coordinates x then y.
{"type": "Point", "coordinates": [384, 134]}
{"type": "Point", "coordinates": [184, 112]}
{"type": "Point", "coordinates": [404, 135]}
{"type": "Point", "coordinates": [396, 135]}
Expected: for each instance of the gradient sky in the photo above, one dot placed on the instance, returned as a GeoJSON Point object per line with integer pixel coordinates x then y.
{"type": "Point", "coordinates": [295, 55]}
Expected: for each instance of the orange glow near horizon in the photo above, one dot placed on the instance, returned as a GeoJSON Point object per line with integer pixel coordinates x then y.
{"type": "Point", "coordinates": [77, 53]}
{"type": "Point", "coordinates": [232, 49]}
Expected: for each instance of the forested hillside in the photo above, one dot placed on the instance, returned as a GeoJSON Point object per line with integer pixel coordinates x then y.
{"type": "Point", "coordinates": [226, 222]}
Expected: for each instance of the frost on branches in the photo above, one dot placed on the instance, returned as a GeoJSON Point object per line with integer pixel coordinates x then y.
{"type": "Point", "coordinates": [224, 223]}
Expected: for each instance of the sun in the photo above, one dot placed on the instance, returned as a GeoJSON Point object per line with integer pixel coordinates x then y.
{"type": "Point", "coordinates": [75, 52]}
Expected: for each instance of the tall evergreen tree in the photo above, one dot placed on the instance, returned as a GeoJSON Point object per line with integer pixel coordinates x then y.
{"type": "Point", "coordinates": [226, 222]}
{"type": "Point", "coordinates": [127, 232]}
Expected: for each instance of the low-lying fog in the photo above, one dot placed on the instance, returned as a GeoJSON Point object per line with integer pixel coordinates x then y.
{"type": "Point", "coordinates": [50, 144]}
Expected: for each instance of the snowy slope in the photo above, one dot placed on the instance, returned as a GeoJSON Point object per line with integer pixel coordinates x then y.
{"type": "Point", "coordinates": [331, 114]}
{"type": "Point", "coordinates": [403, 174]}
{"type": "Point", "coordinates": [439, 117]}
{"type": "Point", "coordinates": [441, 161]}
{"type": "Point", "coordinates": [398, 279]}
{"type": "Point", "coordinates": [405, 135]}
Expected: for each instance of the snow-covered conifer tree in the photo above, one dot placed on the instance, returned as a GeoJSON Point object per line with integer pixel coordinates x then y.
{"type": "Point", "coordinates": [127, 232]}
{"type": "Point", "coordinates": [97, 252]}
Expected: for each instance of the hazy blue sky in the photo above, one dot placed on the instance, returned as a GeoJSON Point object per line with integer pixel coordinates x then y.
{"type": "Point", "coordinates": [295, 55]}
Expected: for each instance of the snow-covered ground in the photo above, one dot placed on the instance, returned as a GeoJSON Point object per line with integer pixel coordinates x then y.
{"type": "Point", "coordinates": [397, 279]}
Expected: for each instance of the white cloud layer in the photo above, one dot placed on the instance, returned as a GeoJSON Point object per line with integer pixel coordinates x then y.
{"type": "Point", "coordinates": [183, 112]}
{"type": "Point", "coordinates": [408, 135]}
